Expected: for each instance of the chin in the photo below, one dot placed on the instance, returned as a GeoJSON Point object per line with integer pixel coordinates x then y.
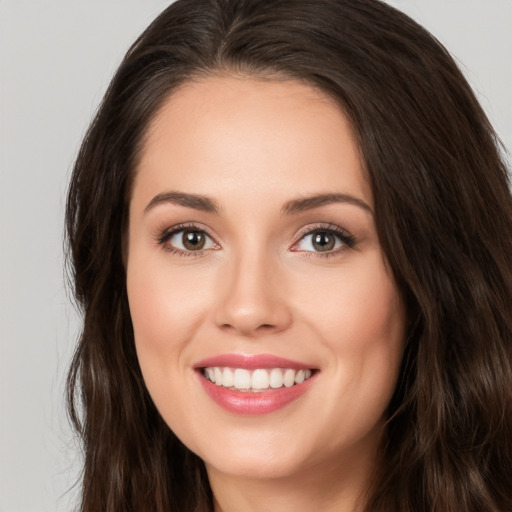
{"type": "Point", "coordinates": [259, 457]}
{"type": "Point", "coordinates": [255, 467]}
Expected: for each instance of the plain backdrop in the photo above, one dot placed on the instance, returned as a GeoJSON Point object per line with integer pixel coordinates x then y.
{"type": "Point", "coordinates": [56, 58]}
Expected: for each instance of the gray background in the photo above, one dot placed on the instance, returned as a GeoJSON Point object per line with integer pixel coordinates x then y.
{"type": "Point", "coordinates": [56, 57]}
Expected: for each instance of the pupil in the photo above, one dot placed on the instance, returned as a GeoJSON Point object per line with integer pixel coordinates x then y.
{"type": "Point", "coordinates": [323, 241]}
{"type": "Point", "coordinates": [193, 240]}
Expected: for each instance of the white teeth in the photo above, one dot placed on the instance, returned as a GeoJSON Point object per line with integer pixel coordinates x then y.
{"type": "Point", "coordinates": [228, 378]}
{"type": "Point", "coordinates": [289, 378]}
{"type": "Point", "coordinates": [260, 379]}
{"type": "Point", "coordinates": [242, 379]}
{"type": "Point", "coordinates": [256, 380]}
{"type": "Point", "coordinates": [218, 376]}
{"type": "Point", "coordinates": [276, 378]}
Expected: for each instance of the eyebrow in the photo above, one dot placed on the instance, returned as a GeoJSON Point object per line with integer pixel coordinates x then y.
{"type": "Point", "coordinates": [308, 203]}
{"type": "Point", "coordinates": [195, 201]}
{"type": "Point", "coordinates": [207, 204]}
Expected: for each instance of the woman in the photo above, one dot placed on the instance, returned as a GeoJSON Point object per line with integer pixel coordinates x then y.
{"type": "Point", "coordinates": [289, 228]}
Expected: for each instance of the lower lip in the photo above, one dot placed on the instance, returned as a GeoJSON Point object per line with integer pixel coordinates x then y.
{"type": "Point", "coordinates": [252, 403]}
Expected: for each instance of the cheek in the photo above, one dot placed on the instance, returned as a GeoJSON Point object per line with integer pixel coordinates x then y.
{"type": "Point", "coordinates": [359, 320]}
{"type": "Point", "coordinates": [357, 308]}
{"type": "Point", "coordinates": [164, 303]}
{"type": "Point", "coordinates": [375, 345]}
{"type": "Point", "coordinates": [372, 322]}
{"type": "Point", "coordinates": [165, 308]}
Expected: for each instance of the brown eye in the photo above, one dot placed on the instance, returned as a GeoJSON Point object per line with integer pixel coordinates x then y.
{"type": "Point", "coordinates": [323, 241]}
{"type": "Point", "coordinates": [187, 241]}
{"type": "Point", "coordinates": [193, 240]}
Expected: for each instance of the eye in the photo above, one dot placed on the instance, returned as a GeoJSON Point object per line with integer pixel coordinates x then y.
{"type": "Point", "coordinates": [324, 240]}
{"type": "Point", "coordinates": [187, 239]}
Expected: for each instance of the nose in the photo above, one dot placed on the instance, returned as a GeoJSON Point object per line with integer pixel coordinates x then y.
{"type": "Point", "coordinates": [252, 299]}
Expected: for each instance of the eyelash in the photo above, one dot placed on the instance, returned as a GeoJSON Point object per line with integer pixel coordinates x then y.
{"type": "Point", "coordinates": [348, 241]}
{"type": "Point", "coordinates": [167, 234]}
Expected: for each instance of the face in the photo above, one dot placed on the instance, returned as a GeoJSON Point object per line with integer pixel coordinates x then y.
{"type": "Point", "coordinates": [268, 328]}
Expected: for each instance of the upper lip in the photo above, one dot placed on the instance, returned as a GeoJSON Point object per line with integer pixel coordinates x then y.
{"type": "Point", "coordinates": [251, 362]}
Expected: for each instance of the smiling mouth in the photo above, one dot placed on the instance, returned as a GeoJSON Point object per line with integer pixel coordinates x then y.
{"type": "Point", "coordinates": [257, 380]}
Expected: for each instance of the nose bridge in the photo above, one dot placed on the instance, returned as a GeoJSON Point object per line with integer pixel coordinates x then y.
{"type": "Point", "coordinates": [252, 301]}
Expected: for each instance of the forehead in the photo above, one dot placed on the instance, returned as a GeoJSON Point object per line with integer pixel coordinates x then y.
{"type": "Point", "coordinates": [247, 134]}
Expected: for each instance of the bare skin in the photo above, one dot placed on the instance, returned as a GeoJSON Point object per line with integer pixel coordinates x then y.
{"type": "Point", "coordinates": [282, 258]}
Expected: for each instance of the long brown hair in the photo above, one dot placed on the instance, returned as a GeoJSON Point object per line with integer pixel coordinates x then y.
{"type": "Point", "coordinates": [444, 218]}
